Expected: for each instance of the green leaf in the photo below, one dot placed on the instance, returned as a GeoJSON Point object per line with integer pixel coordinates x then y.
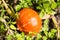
{"type": "Point", "coordinates": [2, 28]}
{"type": "Point", "coordinates": [13, 22]}
{"type": "Point", "coordinates": [54, 5]}
{"type": "Point", "coordinates": [18, 7]}
{"type": "Point", "coordinates": [49, 34]}
{"type": "Point", "coordinates": [44, 38]}
{"type": "Point", "coordinates": [46, 5]}
{"type": "Point", "coordinates": [52, 33]}
{"type": "Point", "coordinates": [46, 33]}
{"type": "Point", "coordinates": [23, 35]}
{"type": "Point", "coordinates": [53, 30]}
{"type": "Point", "coordinates": [25, 5]}
{"type": "Point", "coordinates": [28, 0]}
{"type": "Point", "coordinates": [30, 4]}
{"type": "Point", "coordinates": [38, 7]}
{"type": "Point", "coordinates": [20, 37]}
{"type": "Point", "coordinates": [45, 1]}
{"type": "Point", "coordinates": [41, 14]}
{"type": "Point", "coordinates": [28, 38]}
{"type": "Point", "coordinates": [22, 1]}
{"type": "Point", "coordinates": [38, 36]}
{"type": "Point", "coordinates": [58, 3]}
{"type": "Point", "coordinates": [2, 13]}
{"type": "Point", "coordinates": [45, 26]}
{"type": "Point", "coordinates": [12, 27]}
{"type": "Point", "coordinates": [8, 37]}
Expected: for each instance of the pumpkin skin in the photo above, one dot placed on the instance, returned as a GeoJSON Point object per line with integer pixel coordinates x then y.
{"type": "Point", "coordinates": [29, 21]}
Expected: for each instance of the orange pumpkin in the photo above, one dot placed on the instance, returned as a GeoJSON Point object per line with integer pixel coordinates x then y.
{"type": "Point", "coordinates": [29, 21]}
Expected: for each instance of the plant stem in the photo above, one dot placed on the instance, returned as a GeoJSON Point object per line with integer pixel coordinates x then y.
{"type": "Point", "coordinates": [8, 10]}
{"type": "Point", "coordinates": [56, 26]}
{"type": "Point", "coordinates": [4, 21]}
